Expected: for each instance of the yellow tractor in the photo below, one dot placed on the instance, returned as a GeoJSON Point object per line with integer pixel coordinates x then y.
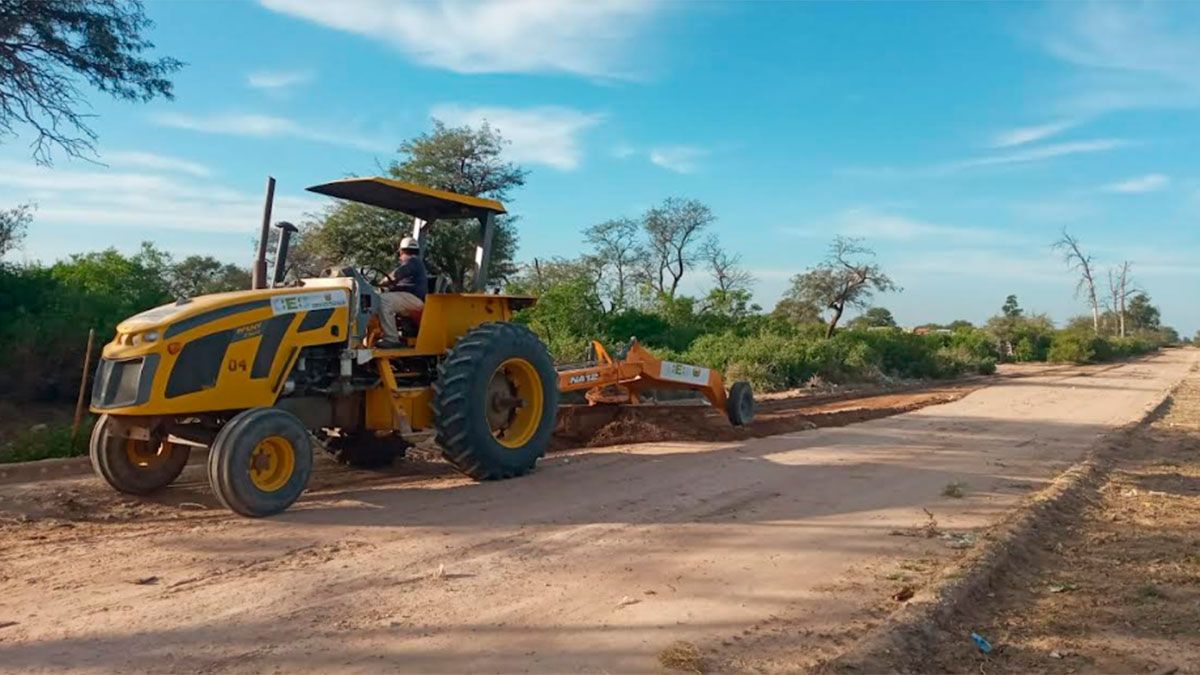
{"type": "Point", "coordinates": [254, 375]}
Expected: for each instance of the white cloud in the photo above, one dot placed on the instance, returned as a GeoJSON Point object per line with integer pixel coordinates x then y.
{"type": "Point", "coordinates": [594, 38]}
{"type": "Point", "coordinates": [275, 80]}
{"type": "Point", "coordinates": [1038, 153]}
{"type": "Point", "coordinates": [871, 224]}
{"type": "Point", "coordinates": [1021, 155]}
{"type": "Point", "coordinates": [1030, 134]}
{"type": "Point", "coordinates": [106, 198]}
{"type": "Point", "coordinates": [1129, 55]}
{"type": "Point", "coordinates": [1151, 182]}
{"type": "Point", "coordinates": [264, 126]}
{"type": "Point", "coordinates": [547, 135]}
{"type": "Point", "coordinates": [678, 158]}
{"type": "Point", "coordinates": [150, 160]}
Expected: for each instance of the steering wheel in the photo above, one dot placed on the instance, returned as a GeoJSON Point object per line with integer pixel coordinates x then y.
{"type": "Point", "coordinates": [374, 275]}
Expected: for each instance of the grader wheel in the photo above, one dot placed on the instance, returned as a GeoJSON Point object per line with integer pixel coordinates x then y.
{"type": "Point", "coordinates": [132, 466]}
{"type": "Point", "coordinates": [739, 406]}
{"type": "Point", "coordinates": [495, 402]}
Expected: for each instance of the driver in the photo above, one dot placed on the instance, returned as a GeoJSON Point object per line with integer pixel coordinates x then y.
{"type": "Point", "coordinates": [404, 292]}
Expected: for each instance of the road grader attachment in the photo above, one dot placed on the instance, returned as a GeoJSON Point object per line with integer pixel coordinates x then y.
{"type": "Point", "coordinates": [256, 375]}
{"type": "Point", "coordinates": [623, 380]}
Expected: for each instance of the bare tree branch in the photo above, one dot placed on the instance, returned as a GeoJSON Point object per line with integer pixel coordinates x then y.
{"type": "Point", "coordinates": [1078, 261]}
{"type": "Point", "coordinates": [673, 230]}
{"type": "Point", "coordinates": [50, 48]}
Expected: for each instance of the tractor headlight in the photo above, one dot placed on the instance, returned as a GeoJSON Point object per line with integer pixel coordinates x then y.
{"type": "Point", "coordinates": [150, 336]}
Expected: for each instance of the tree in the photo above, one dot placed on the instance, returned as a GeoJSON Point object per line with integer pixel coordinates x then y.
{"type": "Point", "coordinates": [797, 311]}
{"type": "Point", "coordinates": [726, 268]}
{"type": "Point", "coordinates": [540, 276]}
{"type": "Point", "coordinates": [1143, 316]}
{"type": "Point", "coordinates": [845, 278]}
{"type": "Point", "coordinates": [201, 275]}
{"type": "Point", "coordinates": [1119, 289]}
{"type": "Point", "coordinates": [615, 244]}
{"type": "Point", "coordinates": [673, 229]}
{"type": "Point", "coordinates": [1010, 307]}
{"type": "Point", "coordinates": [874, 317]}
{"type": "Point", "coordinates": [463, 159]}
{"type": "Point", "coordinates": [48, 48]}
{"type": "Point", "coordinates": [1081, 263]}
{"type": "Point", "coordinates": [13, 223]}
{"type": "Point", "coordinates": [569, 311]}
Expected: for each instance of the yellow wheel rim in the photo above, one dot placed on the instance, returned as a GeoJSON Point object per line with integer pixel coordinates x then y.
{"type": "Point", "coordinates": [272, 463]}
{"type": "Point", "coordinates": [514, 403]}
{"type": "Point", "coordinates": [145, 456]}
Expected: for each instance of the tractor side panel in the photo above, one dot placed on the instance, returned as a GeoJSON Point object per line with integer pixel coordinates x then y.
{"type": "Point", "coordinates": [225, 361]}
{"type": "Point", "coordinates": [448, 317]}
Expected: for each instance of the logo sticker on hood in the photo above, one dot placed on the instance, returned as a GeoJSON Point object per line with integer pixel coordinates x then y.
{"type": "Point", "coordinates": [307, 302]}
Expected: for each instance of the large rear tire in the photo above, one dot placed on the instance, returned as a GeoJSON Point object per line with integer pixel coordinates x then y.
{"type": "Point", "coordinates": [495, 402]}
{"type": "Point", "coordinates": [132, 466]}
{"type": "Point", "coordinates": [260, 462]}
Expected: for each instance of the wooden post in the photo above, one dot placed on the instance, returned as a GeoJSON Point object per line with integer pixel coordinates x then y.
{"type": "Point", "coordinates": [87, 368]}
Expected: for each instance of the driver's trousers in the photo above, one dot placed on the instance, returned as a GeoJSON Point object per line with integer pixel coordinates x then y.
{"type": "Point", "coordinates": [397, 302]}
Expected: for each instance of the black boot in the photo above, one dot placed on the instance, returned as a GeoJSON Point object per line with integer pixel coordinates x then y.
{"type": "Point", "coordinates": [386, 343]}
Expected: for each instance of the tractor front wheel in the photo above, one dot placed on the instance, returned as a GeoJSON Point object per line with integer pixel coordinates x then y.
{"type": "Point", "coordinates": [134, 466]}
{"type": "Point", "coordinates": [495, 401]}
{"type": "Point", "coordinates": [260, 462]}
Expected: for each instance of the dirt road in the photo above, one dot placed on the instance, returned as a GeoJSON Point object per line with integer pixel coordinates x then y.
{"type": "Point", "coordinates": [769, 553]}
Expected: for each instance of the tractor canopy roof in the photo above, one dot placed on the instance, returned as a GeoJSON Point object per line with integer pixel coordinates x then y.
{"type": "Point", "coordinates": [428, 204]}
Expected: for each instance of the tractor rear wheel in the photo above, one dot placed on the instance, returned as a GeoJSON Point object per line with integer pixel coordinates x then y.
{"type": "Point", "coordinates": [495, 401]}
{"type": "Point", "coordinates": [134, 466]}
{"type": "Point", "coordinates": [260, 462]}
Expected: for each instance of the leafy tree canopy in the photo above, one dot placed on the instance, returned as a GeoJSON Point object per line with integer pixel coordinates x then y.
{"type": "Point", "coordinates": [50, 48]}
{"type": "Point", "coordinates": [466, 160]}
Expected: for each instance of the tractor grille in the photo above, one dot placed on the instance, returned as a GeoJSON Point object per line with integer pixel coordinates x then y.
{"type": "Point", "coordinates": [123, 383]}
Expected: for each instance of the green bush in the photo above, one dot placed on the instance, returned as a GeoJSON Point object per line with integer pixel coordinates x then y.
{"type": "Point", "coordinates": [45, 314]}
{"type": "Point", "coordinates": [772, 362]}
{"type": "Point", "coordinates": [46, 442]}
{"type": "Point", "coordinates": [1071, 347]}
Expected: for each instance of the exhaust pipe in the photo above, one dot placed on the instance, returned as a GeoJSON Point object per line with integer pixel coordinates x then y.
{"type": "Point", "coordinates": [285, 236]}
{"type": "Point", "coordinates": [258, 273]}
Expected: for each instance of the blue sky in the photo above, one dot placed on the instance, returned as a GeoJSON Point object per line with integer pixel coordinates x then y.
{"type": "Point", "coordinates": [957, 139]}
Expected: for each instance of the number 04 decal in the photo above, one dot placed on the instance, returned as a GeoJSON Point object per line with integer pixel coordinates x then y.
{"type": "Point", "coordinates": [235, 365]}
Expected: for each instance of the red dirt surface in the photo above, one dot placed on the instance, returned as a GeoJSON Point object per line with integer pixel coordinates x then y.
{"type": "Point", "coordinates": [598, 426]}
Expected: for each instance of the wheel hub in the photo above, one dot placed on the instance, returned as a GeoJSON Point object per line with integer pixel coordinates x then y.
{"type": "Point", "coordinates": [272, 463]}
{"type": "Point", "coordinates": [502, 401]}
{"type": "Point", "coordinates": [513, 403]}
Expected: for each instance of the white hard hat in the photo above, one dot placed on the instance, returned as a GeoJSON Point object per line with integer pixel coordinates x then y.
{"type": "Point", "coordinates": [409, 244]}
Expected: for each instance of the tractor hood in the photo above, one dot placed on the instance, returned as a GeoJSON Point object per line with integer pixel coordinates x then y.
{"type": "Point", "coordinates": [225, 351]}
{"type": "Point", "coordinates": [177, 317]}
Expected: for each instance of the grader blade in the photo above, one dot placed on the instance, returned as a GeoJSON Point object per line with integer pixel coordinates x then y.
{"type": "Point", "coordinates": [622, 380]}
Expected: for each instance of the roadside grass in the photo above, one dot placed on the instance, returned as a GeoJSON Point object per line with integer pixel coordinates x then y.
{"type": "Point", "coordinates": [682, 656]}
{"type": "Point", "coordinates": [954, 490]}
{"type": "Point", "coordinates": [46, 441]}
